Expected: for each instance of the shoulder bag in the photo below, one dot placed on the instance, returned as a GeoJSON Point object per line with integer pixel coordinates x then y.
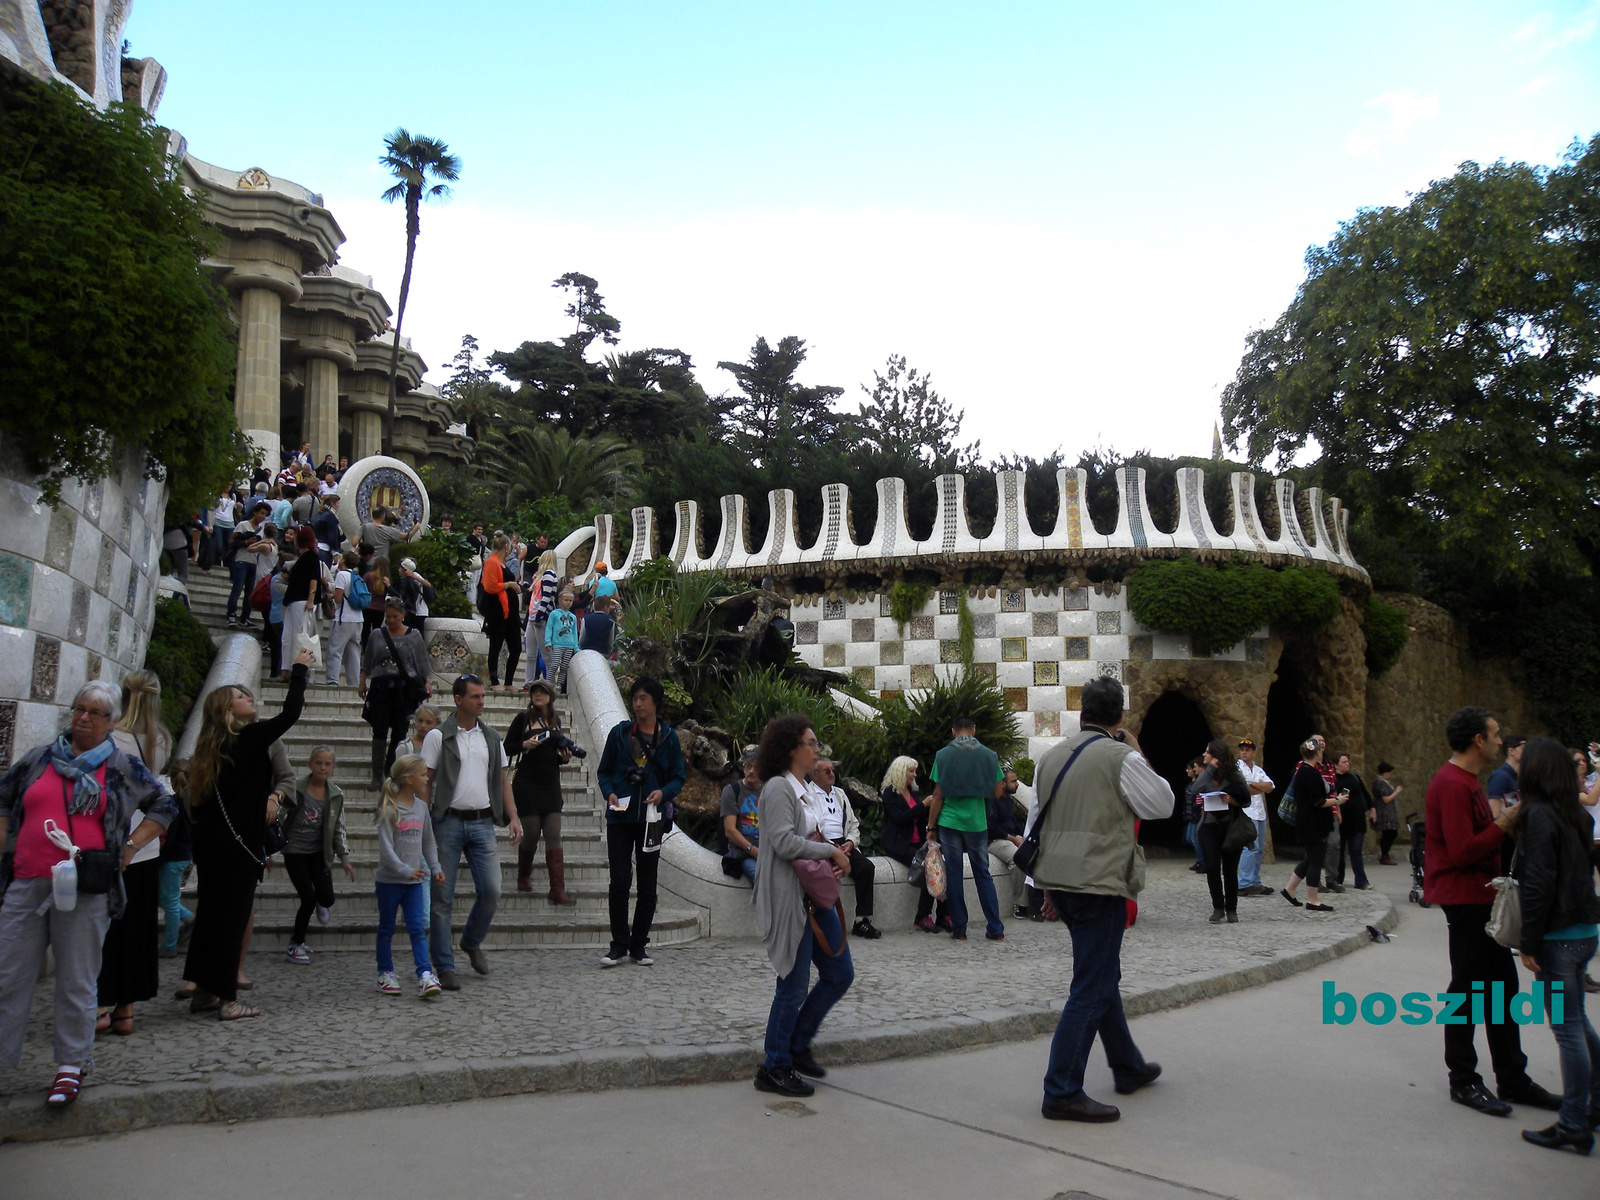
{"type": "Point", "coordinates": [1027, 855]}
{"type": "Point", "coordinates": [822, 892]}
{"type": "Point", "coordinates": [415, 690]}
{"type": "Point", "coordinates": [97, 869]}
{"type": "Point", "coordinates": [1241, 831]}
{"type": "Point", "coordinates": [1288, 809]}
{"type": "Point", "coordinates": [272, 834]}
{"type": "Point", "coordinates": [1505, 918]}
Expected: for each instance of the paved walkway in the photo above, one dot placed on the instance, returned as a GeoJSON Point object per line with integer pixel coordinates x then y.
{"type": "Point", "coordinates": [552, 1019]}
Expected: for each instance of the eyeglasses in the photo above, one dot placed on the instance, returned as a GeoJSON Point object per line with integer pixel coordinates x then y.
{"type": "Point", "coordinates": [811, 742]}
{"type": "Point", "coordinates": [99, 714]}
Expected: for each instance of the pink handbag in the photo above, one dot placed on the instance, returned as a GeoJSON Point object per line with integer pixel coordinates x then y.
{"type": "Point", "coordinates": [822, 892]}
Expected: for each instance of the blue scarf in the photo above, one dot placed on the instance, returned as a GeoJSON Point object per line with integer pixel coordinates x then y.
{"type": "Point", "coordinates": [81, 769]}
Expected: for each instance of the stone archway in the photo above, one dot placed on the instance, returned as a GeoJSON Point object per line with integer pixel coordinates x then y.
{"type": "Point", "coordinates": [1173, 730]}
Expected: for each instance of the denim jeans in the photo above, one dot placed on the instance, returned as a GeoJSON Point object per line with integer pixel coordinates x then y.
{"type": "Point", "coordinates": [412, 899]}
{"type": "Point", "coordinates": [1350, 847]}
{"type": "Point", "coordinates": [242, 575]}
{"type": "Point", "coordinates": [1191, 837]}
{"type": "Point", "coordinates": [796, 1015]}
{"type": "Point", "coordinates": [1250, 859]}
{"type": "Point", "coordinates": [476, 837]}
{"type": "Point", "coordinates": [748, 866]}
{"type": "Point", "coordinates": [1576, 1039]}
{"type": "Point", "coordinates": [169, 899]}
{"type": "Point", "coordinates": [956, 844]}
{"type": "Point", "coordinates": [1094, 1003]}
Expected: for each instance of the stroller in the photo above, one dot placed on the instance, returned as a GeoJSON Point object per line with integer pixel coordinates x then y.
{"type": "Point", "coordinates": [1419, 842]}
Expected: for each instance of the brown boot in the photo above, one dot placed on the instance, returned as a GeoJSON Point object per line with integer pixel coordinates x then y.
{"type": "Point", "coordinates": [555, 862]}
{"type": "Point", "coordinates": [525, 866]}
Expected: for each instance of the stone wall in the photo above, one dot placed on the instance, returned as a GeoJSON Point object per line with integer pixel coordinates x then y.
{"type": "Point", "coordinates": [1437, 674]}
{"type": "Point", "coordinates": [77, 592]}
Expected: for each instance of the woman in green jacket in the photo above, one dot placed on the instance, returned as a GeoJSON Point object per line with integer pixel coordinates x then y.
{"type": "Point", "coordinates": [313, 825]}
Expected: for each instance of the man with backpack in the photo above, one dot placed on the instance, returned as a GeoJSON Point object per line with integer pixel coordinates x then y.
{"type": "Point", "coordinates": [330, 533]}
{"type": "Point", "coordinates": [246, 546]}
{"type": "Point", "coordinates": [350, 601]}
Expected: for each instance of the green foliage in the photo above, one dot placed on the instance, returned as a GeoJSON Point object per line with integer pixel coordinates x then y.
{"type": "Point", "coordinates": [903, 411]}
{"type": "Point", "coordinates": [966, 632]}
{"type": "Point", "coordinates": [180, 653]}
{"type": "Point", "coordinates": [906, 600]}
{"type": "Point", "coordinates": [754, 696]}
{"type": "Point", "coordinates": [669, 626]}
{"type": "Point", "coordinates": [774, 407]}
{"type": "Point", "coordinates": [918, 724]}
{"type": "Point", "coordinates": [1387, 634]}
{"type": "Point", "coordinates": [116, 339]}
{"type": "Point", "coordinates": [679, 700]}
{"type": "Point", "coordinates": [552, 515]}
{"type": "Point", "coordinates": [1024, 767]}
{"type": "Point", "coordinates": [531, 462]}
{"type": "Point", "coordinates": [444, 559]}
{"type": "Point", "coordinates": [1221, 605]}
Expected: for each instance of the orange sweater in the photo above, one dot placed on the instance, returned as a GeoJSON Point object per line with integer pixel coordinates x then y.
{"type": "Point", "coordinates": [494, 582]}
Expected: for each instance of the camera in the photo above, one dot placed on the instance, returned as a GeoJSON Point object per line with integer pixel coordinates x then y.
{"type": "Point", "coordinates": [563, 742]}
{"type": "Point", "coordinates": [635, 776]}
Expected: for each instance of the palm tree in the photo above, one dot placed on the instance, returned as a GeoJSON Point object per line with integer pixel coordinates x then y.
{"type": "Point", "coordinates": [529, 461]}
{"type": "Point", "coordinates": [416, 163]}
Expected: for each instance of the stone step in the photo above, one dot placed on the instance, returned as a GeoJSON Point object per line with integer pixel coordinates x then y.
{"type": "Point", "coordinates": [358, 903]}
{"type": "Point", "coordinates": [586, 867]}
{"type": "Point", "coordinates": [510, 931]}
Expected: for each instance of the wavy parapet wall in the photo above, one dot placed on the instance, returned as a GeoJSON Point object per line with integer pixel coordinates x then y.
{"type": "Point", "coordinates": [1308, 527]}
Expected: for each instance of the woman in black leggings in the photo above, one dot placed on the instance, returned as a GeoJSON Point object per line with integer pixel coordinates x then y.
{"type": "Point", "coordinates": [1316, 815]}
{"type": "Point", "coordinates": [1222, 789]}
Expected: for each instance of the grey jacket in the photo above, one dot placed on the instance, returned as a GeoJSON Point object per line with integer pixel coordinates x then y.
{"type": "Point", "coordinates": [780, 898]}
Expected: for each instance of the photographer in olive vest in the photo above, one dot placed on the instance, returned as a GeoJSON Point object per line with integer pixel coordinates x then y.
{"type": "Point", "coordinates": [469, 794]}
{"type": "Point", "coordinates": [1096, 783]}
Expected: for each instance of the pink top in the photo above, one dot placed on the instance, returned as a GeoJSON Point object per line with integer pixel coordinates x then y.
{"type": "Point", "coordinates": [47, 800]}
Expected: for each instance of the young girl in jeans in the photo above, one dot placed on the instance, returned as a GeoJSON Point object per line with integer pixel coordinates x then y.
{"type": "Point", "coordinates": [560, 640]}
{"type": "Point", "coordinates": [407, 856]}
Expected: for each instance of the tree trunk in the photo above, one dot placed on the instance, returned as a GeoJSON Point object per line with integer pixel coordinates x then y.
{"type": "Point", "coordinates": [413, 222]}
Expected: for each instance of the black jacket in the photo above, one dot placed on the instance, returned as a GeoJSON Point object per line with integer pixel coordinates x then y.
{"type": "Point", "coordinates": [899, 820]}
{"type": "Point", "coordinates": [1353, 812]}
{"type": "Point", "coordinates": [1555, 870]}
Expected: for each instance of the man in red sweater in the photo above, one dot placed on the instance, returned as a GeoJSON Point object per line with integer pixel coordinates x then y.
{"type": "Point", "coordinates": [1463, 855]}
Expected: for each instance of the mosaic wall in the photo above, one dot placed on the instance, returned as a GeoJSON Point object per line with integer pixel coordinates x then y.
{"type": "Point", "coordinates": [77, 593]}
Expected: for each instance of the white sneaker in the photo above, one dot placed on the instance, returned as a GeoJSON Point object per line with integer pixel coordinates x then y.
{"type": "Point", "coordinates": [389, 983]}
{"type": "Point", "coordinates": [427, 986]}
{"type": "Point", "coordinates": [300, 955]}
{"type": "Point", "coordinates": [613, 958]}
{"type": "Point", "coordinates": [324, 915]}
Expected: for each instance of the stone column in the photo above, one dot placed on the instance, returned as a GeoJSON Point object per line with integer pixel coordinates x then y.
{"type": "Point", "coordinates": [256, 388]}
{"type": "Point", "coordinates": [321, 425]}
{"type": "Point", "coordinates": [366, 434]}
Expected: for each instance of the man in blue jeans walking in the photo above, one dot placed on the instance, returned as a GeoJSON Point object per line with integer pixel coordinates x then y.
{"type": "Point", "coordinates": [469, 794]}
{"type": "Point", "coordinates": [1096, 783]}
{"type": "Point", "coordinates": [1260, 785]}
{"type": "Point", "coordinates": [967, 775]}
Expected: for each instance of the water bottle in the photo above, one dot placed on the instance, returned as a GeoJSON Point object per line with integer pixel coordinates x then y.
{"type": "Point", "coordinates": [64, 884]}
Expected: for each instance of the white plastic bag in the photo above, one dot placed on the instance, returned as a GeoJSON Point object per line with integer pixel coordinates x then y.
{"type": "Point", "coordinates": [64, 875]}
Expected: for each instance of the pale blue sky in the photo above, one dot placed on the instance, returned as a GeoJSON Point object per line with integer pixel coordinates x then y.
{"type": "Point", "coordinates": [1071, 214]}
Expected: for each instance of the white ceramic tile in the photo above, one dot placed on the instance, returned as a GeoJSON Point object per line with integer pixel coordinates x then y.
{"type": "Point", "coordinates": [16, 662]}
{"type": "Point", "coordinates": [1009, 674]}
{"type": "Point", "coordinates": [887, 631]}
{"type": "Point", "coordinates": [893, 678]}
{"type": "Point", "coordinates": [1044, 649]}
{"type": "Point", "coordinates": [810, 655]}
{"type": "Point", "coordinates": [37, 724]}
{"type": "Point", "coordinates": [72, 675]}
{"type": "Point", "coordinates": [1077, 673]}
{"type": "Point", "coordinates": [1077, 624]}
{"type": "Point", "coordinates": [946, 626]}
{"type": "Point", "coordinates": [1013, 624]}
{"type": "Point", "coordinates": [1025, 725]}
{"type": "Point", "coordinates": [861, 654]}
{"type": "Point", "coordinates": [1108, 646]}
{"type": "Point", "coordinates": [50, 610]}
{"type": "Point", "coordinates": [920, 652]}
{"type": "Point", "coordinates": [1047, 699]}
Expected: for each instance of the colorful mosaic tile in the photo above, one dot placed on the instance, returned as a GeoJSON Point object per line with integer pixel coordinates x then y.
{"type": "Point", "coordinates": [1045, 624]}
{"type": "Point", "coordinates": [1141, 647]}
{"type": "Point", "coordinates": [1075, 601]}
{"type": "Point", "coordinates": [1111, 670]}
{"type": "Point", "coordinates": [891, 654]}
{"type": "Point", "coordinates": [885, 604]}
{"type": "Point", "coordinates": [983, 625]}
{"type": "Point", "coordinates": [922, 629]}
{"type": "Point", "coordinates": [922, 675]}
{"type": "Point", "coordinates": [1046, 674]}
{"type": "Point", "coordinates": [1014, 649]}
{"type": "Point", "coordinates": [102, 573]}
{"type": "Point", "coordinates": [1013, 601]}
{"type": "Point", "coordinates": [949, 650]}
{"type": "Point", "coordinates": [805, 633]}
{"type": "Point", "coordinates": [1108, 621]}
{"type": "Point", "coordinates": [1017, 698]}
{"type": "Point", "coordinates": [1255, 650]}
{"type": "Point", "coordinates": [93, 669]}
{"type": "Point", "coordinates": [949, 602]}
{"type": "Point", "coordinates": [115, 634]}
{"type": "Point", "coordinates": [1074, 699]}
{"type": "Point", "coordinates": [833, 654]}
{"type": "Point", "coordinates": [8, 731]}
{"type": "Point", "coordinates": [1046, 724]}
{"type": "Point", "coordinates": [864, 677]}
{"type": "Point", "coordinates": [833, 608]}
{"type": "Point", "coordinates": [78, 619]}
{"type": "Point", "coordinates": [16, 589]}
{"type": "Point", "coordinates": [988, 671]}
{"type": "Point", "coordinates": [1076, 649]}
{"type": "Point", "coordinates": [46, 669]}
{"type": "Point", "coordinates": [863, 629]}
{"type": "Point", "coordinates": [891, 693]}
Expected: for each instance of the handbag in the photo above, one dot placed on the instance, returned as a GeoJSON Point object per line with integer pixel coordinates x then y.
{"type": "Point", "coordinates": [1027, 855]}
{"type": "Point", "coordinates": [1288, 809]}
{"type": "Point", "coordinates": [936, 878]}
{"type": "Point", "coordinates": [416, 691]}
{"type": "Point", "coordinates": [919, 867]}
{"type": "Point", "coordinates": [1241, 832]}
{"type": "Point", "coordinates": [1505, 918]}
{"type": "Point", "coordinates": [97, 869]}
{"type": "Point", "coordinates": [817, 878]}
{"type": "Point", "coordinates": [259, 859]}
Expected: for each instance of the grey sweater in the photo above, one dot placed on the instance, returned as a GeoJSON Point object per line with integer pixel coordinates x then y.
{"type": "Point", "coordinates": [780, 898]}
{"type": "Point", "coordinates": [406, 845]}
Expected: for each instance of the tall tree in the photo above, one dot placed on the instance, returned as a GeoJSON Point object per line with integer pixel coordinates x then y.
{"type": "Point", "coordinates": [477, 398]}
{"type": "Point", "coordinates": [772, 405]}
{"type": "Point", "coordinates": [423, 168]}
{"type": "Point", "coordinates": [588, 308]}
{"type": "Point", "coordinates": [903, 412]}
{"type": "Point", "coordinates": [528, 462]}
{"type": "Point", "coordinates": [1444, 356]}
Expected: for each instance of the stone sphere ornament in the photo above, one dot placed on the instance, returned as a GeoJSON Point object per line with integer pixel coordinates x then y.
{"type": "Point", "coordinates": [381, 482]}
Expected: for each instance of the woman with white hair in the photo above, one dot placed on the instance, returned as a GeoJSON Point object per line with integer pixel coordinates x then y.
{"type": "Point", "coordinates": [905, 831]}
{"type": "Point", "coordinates": [80, 790]}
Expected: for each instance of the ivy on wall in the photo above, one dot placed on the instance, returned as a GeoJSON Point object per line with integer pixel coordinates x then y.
{"type": "Point", "coordinates": [1387, 634]}
{"type": "Point", "coordinates": [906, 599]}
{"type": "Point", "coordinates": [1221, 605]}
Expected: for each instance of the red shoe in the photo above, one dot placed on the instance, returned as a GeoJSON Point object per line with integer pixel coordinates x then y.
{"type": "Point", "coordinates": [926, 925]}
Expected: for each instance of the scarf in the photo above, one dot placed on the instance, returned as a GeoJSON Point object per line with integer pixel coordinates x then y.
{"type": "Point", "coordinates": [80, 768]}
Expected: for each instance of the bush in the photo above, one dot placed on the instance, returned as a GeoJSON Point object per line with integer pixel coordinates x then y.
{"type": "Point", "coordinates": [1221, 605]}
{"type": "Point", "coordinates": [920, 726]}
{"type": "Point", "coordinates": [906, 600]}
{"type": "Point", "coordinates": [1387, 634]}
{"type": "Point", "coordinates": [180, 654]}
{"type": "Point", "coordinates": [444, 559]}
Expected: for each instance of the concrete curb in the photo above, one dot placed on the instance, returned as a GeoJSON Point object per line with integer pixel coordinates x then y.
{"type": "Point", "coordinates": [225, 1097]}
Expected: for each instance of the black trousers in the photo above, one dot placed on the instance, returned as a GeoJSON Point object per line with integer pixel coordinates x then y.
{"type": "Point", "coordinates": [1474, 955]}
{"type": "Point", "coordinates": [1310, 867]}
{"type": "Point", "coordinates": [503, 632]}
{"type": "Point", "coordinates": [225, 892]}
{"type": "Point", "coordinates": [1386, 839]}
{"type": "Point", "coordinates": [389, 714]}
{"type": "Point", "coordinates": [313, 882]}
{"type": "Point", "coordinates": [625, 847]}
{"type": "Point", "coordinates": [129, 971]}
{"type": "Point", "coordinates": [862, 873]}
{"type": "Point", "coordinates": [1222, 866]}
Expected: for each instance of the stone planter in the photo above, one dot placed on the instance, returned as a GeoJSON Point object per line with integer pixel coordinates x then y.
{"type": "Point", "coordinates": [457, 645]}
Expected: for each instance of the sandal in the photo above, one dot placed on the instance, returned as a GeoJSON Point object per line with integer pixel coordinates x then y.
{"type": "Point", "coordinates": [204, 1004]}
{"type": "Point", "coordinates": [122, 1026]}
{"type": "Point", "coordinates": [65, 1089]}
{"type": "Point", "coordinates": [102, 1022]}
{"type": "Point", "coordinates": [234, 1011]}
{"type": "Point", "coordinates": [186, 992]}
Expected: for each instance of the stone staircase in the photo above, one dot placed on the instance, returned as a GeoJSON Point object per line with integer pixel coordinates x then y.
{"type": "Point", "coordinates": [332, 717]}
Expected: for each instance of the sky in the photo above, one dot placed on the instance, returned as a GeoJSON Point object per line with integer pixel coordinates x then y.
{"type": "Point", "coordinates": [1071, 215]}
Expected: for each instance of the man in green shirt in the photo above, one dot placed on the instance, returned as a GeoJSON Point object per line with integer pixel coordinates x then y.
{"type": "Point", "coordinates": [966, 774]}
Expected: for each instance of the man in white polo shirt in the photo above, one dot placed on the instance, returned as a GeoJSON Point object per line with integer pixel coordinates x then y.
{"type": "Point", "coordinates": [469, 793]}
{"type": "Point", "coordinates": [840, 826]}
{"type": "Point", "coordinates": [1259, 784]}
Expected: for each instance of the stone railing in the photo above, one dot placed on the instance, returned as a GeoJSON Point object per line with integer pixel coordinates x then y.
{"type": "Point", "coordinates": [1311, 527]}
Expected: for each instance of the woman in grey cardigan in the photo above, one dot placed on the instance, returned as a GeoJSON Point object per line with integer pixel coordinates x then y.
{"type": "Point", "coordinates": [788, 831]}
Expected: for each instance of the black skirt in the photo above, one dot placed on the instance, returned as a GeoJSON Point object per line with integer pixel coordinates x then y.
{"type": "Point", "coordinates": [129, 970]}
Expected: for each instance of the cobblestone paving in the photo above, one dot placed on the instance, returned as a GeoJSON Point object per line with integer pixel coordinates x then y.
{"type": "Point", "coordinates": [329, 1016]}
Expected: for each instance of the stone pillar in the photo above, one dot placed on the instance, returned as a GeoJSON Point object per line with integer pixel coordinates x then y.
{"type": "Point", "coordinates": [256, 388]}
{"type": "Point", "coordinates": [321, 425]}
{"type": "Point", "coordinates": [366, 434]}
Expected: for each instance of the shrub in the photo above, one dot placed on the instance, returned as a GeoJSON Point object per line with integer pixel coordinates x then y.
{"type": "Point", "coordinates": [1221, 605]}
{"type": "Point", "coordinates": [906, 600]}
{"type": "Point", "coordinates": [444, 559]}
{"type": "Point", "coordinates": [180, 654]}
{"type": "Point", "coordinates": [1387, 634]}
{"type": "Point", "coordinates": [920, 726]}
{"type": "Point", "coordinates": [966, 630]}
{"type": "Point", "coordinates": [1024, 767]}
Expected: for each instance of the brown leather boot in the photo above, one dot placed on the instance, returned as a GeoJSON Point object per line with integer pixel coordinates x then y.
{"type": "Point", "coordinates": [555, 862]}
{"type": "Point", "coordinates": [525, 866]}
